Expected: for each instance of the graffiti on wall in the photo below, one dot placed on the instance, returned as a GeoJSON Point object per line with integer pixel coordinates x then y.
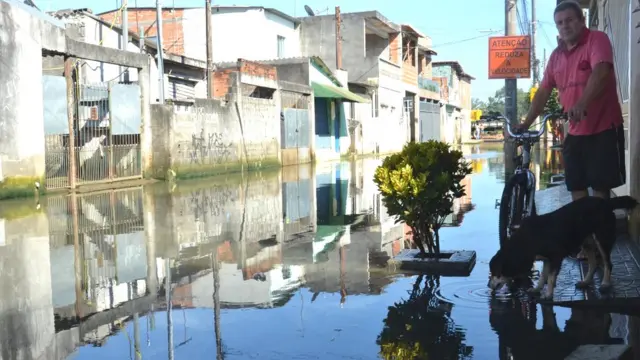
{"type": "Point", "coordinates": [211, 202]}
{"type": "Point", "coordinates": [207, 148]}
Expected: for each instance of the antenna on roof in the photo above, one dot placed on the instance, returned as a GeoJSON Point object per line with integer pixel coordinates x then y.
{"type": "Point", "coordinates": [309, 11]}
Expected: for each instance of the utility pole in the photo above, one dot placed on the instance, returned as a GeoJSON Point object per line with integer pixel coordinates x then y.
{"type": "Point", "coordinates": [534, 58]}
{"type": "Point", "coordinates": [511, 85]}
{"type": "Point", "coordinates": [209, 49]}
{"type": "Point", "coordinates": [141, 30]}
{"type": "Point", "coordinates": [124, 76]}
{"type": "Point", "coordinates": [160, 52]}
{"type": "Point", "coordinates": [510, 92]}
{"type": "Point", "coordinates": [338, 40]}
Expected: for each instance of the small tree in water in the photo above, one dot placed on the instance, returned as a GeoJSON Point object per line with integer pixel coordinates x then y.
{"type": "Point", "coordinates": [418, 186]}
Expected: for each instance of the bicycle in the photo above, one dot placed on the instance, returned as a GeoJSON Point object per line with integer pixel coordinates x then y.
{"type": "Point", "coordinates": [518, 197]}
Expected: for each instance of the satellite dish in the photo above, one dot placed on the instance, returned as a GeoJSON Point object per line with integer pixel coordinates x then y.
{"type": "Point", "coordinates": [309, 11]}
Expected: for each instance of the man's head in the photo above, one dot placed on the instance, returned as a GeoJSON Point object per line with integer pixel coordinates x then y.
{"type": "Point", "coordinates": [569, 20]}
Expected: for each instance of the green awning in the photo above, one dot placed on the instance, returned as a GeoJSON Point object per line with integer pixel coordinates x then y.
{"type": "Point", "coordinates": [334, 92]}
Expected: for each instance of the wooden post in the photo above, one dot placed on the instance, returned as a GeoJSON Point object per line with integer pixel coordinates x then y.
{"type": "Point", "coordinates": [68, 74]}
{"type": "Point", "coordinates": [338, 40]}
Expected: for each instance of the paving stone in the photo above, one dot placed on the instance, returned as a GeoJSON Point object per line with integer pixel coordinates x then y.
{"type": "Point", "coordinates": [458, 262]}
{"type": "Point", "coordinates": [551, 199]}
{"type": "Point", "coordinates": [601, 352]}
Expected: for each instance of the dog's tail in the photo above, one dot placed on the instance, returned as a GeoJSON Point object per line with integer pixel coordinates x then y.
{"type": "Point", "coordinates": [623, 202]}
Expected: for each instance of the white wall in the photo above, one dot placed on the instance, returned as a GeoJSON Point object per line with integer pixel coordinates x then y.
{"type": "Point", "coordinates": [316, 76]}
{"type": "Point", "coordinates": [21, 99]}
{"type": "Point", "coordinates": [235, 290]}
{"type": "Point", "coordinates": [97, 33]}
{"type": "Point", "coordinates": [390, 127]}
{"type": "Point", "coordinates": [250, 34]}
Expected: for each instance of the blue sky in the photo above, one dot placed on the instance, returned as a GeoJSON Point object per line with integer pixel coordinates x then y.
{"type": "Point", "coordinates": [448, 22]}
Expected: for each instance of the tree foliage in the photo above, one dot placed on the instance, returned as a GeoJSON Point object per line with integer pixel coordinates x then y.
{"type": "Point", "coordinates": [421, 328]}
{"type": "Point", "coordinates": [553, 104]}
{"type": "Point", "coordinates": [495, 103]}
{"type": "Point", "coordinates": [418, 186]}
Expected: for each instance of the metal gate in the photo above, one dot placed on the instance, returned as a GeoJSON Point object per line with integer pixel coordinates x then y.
{"type": "Point", "coordinates": [429, 121]}
{"type": "Point", "coordinates": [295, 122]}
{"type": "Point", "coordinates": [101, 233]}
{"type": "Point", "coordinates": [106, 129]}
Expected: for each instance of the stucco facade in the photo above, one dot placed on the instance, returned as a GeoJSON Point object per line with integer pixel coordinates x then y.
{"type": "Point", "coordinates": [184, 31]}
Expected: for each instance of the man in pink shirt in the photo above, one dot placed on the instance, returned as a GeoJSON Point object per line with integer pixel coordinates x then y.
{"type": "Point", "coordinates": [581, 68]}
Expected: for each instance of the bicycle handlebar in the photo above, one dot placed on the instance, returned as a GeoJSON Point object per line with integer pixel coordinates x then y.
{"type": "Point", "coordinates": [532, 134]}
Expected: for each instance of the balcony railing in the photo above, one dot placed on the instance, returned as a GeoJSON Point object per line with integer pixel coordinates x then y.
{"type": "Point", "coordinates": [428, 84]}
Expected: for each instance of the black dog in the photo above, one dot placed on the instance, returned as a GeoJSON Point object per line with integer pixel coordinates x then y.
{"type": "Point", "coordinates": [558, 234]}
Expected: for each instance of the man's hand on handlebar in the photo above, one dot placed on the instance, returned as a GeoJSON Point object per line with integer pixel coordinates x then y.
{"type": "Point", "coordinates": [577, 113]}
{"type": "Point", "coordinates": [519, 128]}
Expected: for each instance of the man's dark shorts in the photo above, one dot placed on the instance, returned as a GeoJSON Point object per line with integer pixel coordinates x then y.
{"type": "Point", "coordinates": [595, 161]}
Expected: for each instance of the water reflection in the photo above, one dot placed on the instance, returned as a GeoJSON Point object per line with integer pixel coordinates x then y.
{"type": "Point", "coordinates": [522, 335]}
{"type": "Point", "coordinates": [421, 327]}
{"type": "Point", "coordinates": [276, 265]}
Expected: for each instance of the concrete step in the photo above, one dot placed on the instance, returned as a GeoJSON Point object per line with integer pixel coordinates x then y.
{"type": "Point", "coordinates": [622, 221]}
{"type": "Point", "coordinates": [601, 352]}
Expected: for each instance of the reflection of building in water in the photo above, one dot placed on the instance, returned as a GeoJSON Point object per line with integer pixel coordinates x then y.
{"type": "Point", "coordinates": [260, 280]}
{"type": "Point", "coordinates": [298, 200]}
{"type": "Point", "coordinates": [67, 271]}
{"type": "Point", "coordinates": [26, 310]}
{"type": "Point", "coordinates": [550, 164]}
{"type": "Point", "coordinates": [217, 210]}
{"type": "Point", "coordinates": [99, 257]}
{"type": "Point", "coordinates": [352, 227]}
{"type": "Point", "coordinates": [461, 205]}
{"type": "Point", "coordinates": [477, 165]}
{"type": "Point", "coordinates": [496, 166]}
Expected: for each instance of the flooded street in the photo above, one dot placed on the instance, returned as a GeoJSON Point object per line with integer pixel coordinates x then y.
{"type": "Point", "coordinates": [287, 264]}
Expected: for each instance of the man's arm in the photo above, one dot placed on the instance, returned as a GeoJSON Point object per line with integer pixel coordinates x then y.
{"type": "Point", "coordinates": [594, 85]}
{"type": "Point", "coordinates": [537, 105]}
{"type": "Point", "coordinates": [542, 94]}
{"type": "Point", "coordinates": [601, 61]}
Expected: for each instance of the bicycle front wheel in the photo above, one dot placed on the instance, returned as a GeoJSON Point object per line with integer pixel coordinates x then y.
{"type": "Point", "coordinates": [512, 206]}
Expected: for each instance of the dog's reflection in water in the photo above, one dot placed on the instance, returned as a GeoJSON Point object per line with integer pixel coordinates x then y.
{"type": "Point", "coordinates": [514, 321]}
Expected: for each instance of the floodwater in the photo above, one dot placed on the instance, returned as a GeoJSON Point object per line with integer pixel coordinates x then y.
{"type": "Point", "coordinates": [275, 265]}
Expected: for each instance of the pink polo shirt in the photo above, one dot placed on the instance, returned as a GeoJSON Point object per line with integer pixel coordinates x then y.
{"type": "Point", "coordinates": [569, 70]}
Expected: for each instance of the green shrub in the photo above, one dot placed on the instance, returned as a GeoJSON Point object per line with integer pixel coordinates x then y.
{"type": "Point", "coordinates": [418, 186]}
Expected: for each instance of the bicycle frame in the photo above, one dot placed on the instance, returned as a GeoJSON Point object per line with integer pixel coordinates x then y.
{"type": "Point", "coordinates": [526, 140]}
{"type": "Point", "coordinates": [523, 167]}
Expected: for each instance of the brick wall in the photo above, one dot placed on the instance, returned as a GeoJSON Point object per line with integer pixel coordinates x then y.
{"type": "Point", "coordinates": [221, 83]}
{"type": "Point", "coordinates": [258, 70]}
{"type": "Point", "coordinates": [444, 87]}
{"type": "Point", "coordinates": [395, 48]}
{"type": "Point", "coordinates": [172, 31]}
{"type": "Point", "coordinates": [422, 64]}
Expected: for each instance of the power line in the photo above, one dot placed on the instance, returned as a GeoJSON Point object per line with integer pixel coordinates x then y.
{"type": "Point", "coordinates": [544, 33]}
{"type": "Point", "coordinates": [468, 39]}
